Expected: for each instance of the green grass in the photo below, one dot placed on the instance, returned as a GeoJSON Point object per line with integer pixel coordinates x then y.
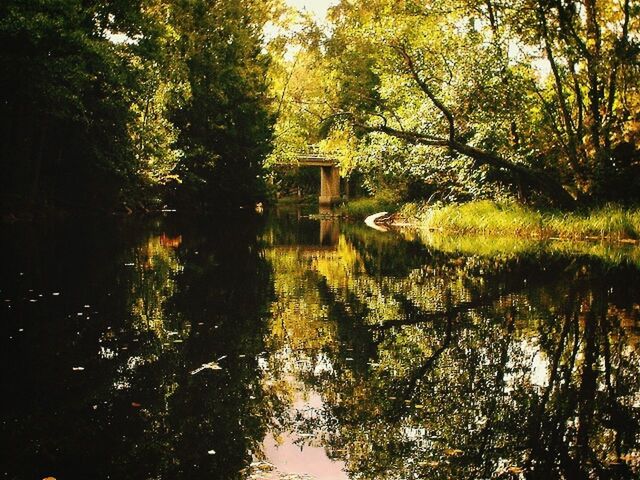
{"type": "Point", "coordinates": [365, 206]}
{"type": "Point", "coordinates": [489, 218]}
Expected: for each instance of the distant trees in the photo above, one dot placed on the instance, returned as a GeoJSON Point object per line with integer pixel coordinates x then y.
{"type": "Point", "coordinates": [476, 98]}
{"type": "Point", "coordinates": [105, 103]}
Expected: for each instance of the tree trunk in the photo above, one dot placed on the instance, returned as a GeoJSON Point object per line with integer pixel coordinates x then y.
{"type": "Point", "coordinates": [541, 181]}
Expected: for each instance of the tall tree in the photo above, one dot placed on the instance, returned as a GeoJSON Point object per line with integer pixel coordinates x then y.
{"type": "Point", "coordinates": [107, 103]}
{"type": "Point", "coordinates": [226, 124]}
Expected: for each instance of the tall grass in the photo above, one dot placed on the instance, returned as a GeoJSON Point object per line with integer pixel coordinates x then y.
{"type": "Point", "coordinates": [489, 218]}
{"type": "Point", "coordinates": [365, 206]}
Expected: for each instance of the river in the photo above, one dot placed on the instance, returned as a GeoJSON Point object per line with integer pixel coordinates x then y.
{"type": "Point", "coordinates": [282, 346]}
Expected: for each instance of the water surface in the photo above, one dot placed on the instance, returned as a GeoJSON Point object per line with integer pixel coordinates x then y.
{"type": "Point", "coordinates": [287, 347]}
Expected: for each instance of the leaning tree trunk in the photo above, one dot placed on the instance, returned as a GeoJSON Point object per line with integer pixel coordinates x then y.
{"type": "Point", "coordinates": [538, 180]}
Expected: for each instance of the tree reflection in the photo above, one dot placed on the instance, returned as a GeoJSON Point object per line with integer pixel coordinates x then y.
{"type": "Point", "coordinates": [400, 357]}
{"type": "Point", "coordinates": [112, 395]}
{"type": "Point", "coordinates": [436, 364]}
{"type": "Point", "coordinates": [210, 422]}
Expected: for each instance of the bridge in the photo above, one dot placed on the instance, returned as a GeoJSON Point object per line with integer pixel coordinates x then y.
{"type": "Point", "coordinates": [329, 173]}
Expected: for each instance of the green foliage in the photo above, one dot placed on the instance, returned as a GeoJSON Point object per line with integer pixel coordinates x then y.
{"type": "Point", "coordinates": [433, 93]}
{"type": "Point", "coordinates": [111, 102]}
{"type": "Point", "coordinates": [64, 106]}
{"type": "Point", "coordinates": [225, 125]}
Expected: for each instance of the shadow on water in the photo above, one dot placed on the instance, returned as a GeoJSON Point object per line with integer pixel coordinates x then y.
{"type": "Point", "coordinates": [103, 325]}
{"type": "Point", "coordinates": [287, 346]}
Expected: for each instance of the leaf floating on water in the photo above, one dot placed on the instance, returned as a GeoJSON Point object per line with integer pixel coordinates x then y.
{"type": "Point", "coordinates": [210, 366]}
{"type": "Point", "coordinates": [453, 452]}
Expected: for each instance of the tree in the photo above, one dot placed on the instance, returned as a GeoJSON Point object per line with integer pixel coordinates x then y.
{"type": "Point", "coordinates": [111, 103]}
{"type": "Point", "coordinates": [524, 95]}
{"type": "Point", "coordinates": [226, 124]}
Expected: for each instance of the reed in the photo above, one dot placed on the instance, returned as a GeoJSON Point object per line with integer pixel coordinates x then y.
{"type": "Point", "coordinates": [609, 222]}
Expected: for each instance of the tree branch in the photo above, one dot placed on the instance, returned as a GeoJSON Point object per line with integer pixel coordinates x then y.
{"type": "Point", "coordinates": [411, 67]}
{"type": "Point", "coordinates": [540, 180]}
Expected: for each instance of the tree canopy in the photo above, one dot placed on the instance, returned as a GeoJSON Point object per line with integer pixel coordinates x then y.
{"type": "Point", "coordinates": [475, 99]}
{"type": "Point", "coordinates": [133, 103]}
{"type": "Point", "coordinates": [153, 102]}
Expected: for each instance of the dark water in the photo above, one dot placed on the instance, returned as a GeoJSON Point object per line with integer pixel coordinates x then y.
{"type": "Point", "coordinates": [261, 347]}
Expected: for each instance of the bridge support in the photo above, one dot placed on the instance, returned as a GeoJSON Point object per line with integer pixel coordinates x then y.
{"type": "Point", "coordinates": [329, 185]}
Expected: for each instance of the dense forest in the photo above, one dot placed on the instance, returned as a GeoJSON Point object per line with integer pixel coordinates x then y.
{"type": "Point", "coordinates": [128, 104]}
{"type": "Point", "coordinates": [109, 105]}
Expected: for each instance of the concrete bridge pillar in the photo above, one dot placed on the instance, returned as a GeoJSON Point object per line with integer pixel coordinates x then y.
{"type": "Point", "coordinates": [329, 185]}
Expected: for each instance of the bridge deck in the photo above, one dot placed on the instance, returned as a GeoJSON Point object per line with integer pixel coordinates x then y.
{"type": "Point", "coordinates": [316, 161]}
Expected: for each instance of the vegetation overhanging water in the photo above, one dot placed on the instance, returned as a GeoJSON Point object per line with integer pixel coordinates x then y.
{"type": "Point", "coordinates": [285, 347]}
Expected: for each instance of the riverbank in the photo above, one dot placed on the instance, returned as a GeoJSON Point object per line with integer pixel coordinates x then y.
{"type": "Point", "coordinates": [611, 223]}
{"type": "Point", "coordinates": [361, 208]}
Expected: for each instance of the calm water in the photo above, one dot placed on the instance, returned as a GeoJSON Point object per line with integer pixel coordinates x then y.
{"type": "Point", "coordinates": [285, 347]}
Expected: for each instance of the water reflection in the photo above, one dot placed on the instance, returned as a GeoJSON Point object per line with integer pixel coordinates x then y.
{"type": "Point", "coordinates": [98, 367]}
{"type": "Point", "coordinates": [431, 362]}
{"type": "Point", "coordinates": [306, 348]}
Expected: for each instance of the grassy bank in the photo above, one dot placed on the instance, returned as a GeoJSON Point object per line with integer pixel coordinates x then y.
{"type": "Point", "coordinates": [360, 208]}
{"type": "Point", "coordinates": [490, 218]}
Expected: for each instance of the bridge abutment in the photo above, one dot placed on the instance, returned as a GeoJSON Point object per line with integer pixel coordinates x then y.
{"type": "Point", "coordinates": [329, 185]}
